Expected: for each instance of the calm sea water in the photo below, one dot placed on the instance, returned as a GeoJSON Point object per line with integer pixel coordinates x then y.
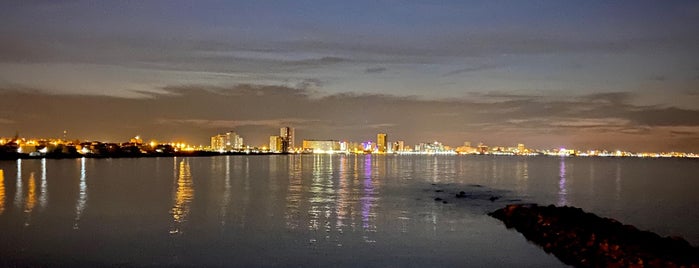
{"type": "Point", "coordinates": [319, 210]}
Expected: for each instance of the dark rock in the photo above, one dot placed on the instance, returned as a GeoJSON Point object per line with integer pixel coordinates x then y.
{"type": "Point", "coordinates": [439, 191]}
{"type": "Point", "coordinates": [444, 202]}
{"type": "Point", "coordinates": [461, 194]}
{"type": "Point", "coordinates": [437, 199]}
{"type": "Point", "coordinates": [586, 240]}
{"type": "Point", "coordinates": [493, 198]}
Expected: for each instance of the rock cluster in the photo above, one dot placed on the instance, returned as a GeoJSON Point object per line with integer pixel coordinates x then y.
{"type": "Point", "coordinates": [586, 240]}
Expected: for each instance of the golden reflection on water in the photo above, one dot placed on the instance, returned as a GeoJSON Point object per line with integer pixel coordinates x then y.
{"type": "Point", "coordinates": [342, 196]}
{"type": "Point", "coordinates": [2, 191]}
{"type": "Point", "coordinates": [322, 193]}
{"type": "Point", "coordinates": [183, 195]}
{"type": "Point", "coordinates": [82, 196]}
{"type": "Point", "coordinates": [294, 196]}
{"type": "Point", "coordinates": [343, 200]}
{"type": "Point", "coordinates": [522, 176]}
{"type": "Point", "coordinates": [31, 198]}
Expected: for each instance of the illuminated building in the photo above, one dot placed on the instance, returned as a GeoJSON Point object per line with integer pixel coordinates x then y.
{"type": "Point", "coordinates": [275, 144]}
{"type": "Point", "coordinates": [398, 146]}
{"type": "Point", "coordinates": [381, 142]}
{"type": "Point", "coordinates": [322, 146]}
{"type": "Point", "coordinates": [218, 142]}
{"type": "Point", "coordinates": [233, 141]}
{"type": "Point", "coordinates": [136, 140]}
{"type": "Point", "coordinates": [287, 135]}
{"type": "Point", "coordinates": [367, 146]}
{"type": "Point", "coordinates": [226, 142]}
{"type": "Point", "coordinates": [466, 149]}
{"type": "Point", "coordinates": [482, 148]}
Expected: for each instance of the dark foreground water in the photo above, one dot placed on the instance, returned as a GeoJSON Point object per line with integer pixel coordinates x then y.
{"type": "Point", "coordinates": [319, 210]}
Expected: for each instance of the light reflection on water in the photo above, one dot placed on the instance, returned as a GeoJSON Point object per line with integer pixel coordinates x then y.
{"type": "Point", "coordinates": [30, 199]}
{"type": "Point", "coordinates": [43, 194]}
{"type": "Point", "coordinates": [562, 190]}
{"type": "Point", "coordinates": [2, 191]}
{"type": "Point", "coordinates": [294, 194]}
{"type": "Point", "coordinates": [340, 207]}
{"type": "Point", "coordinates": [18, 185]}
{"type": "Point", "coordinates": [82, 195]}
{"type": "Point", "coordinates": [183, 193]}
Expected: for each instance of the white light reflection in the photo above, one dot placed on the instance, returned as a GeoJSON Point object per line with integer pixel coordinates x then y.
{"type": "Point", "coordinates": [82, 196]}
{"type": "Point", "coordinates": [43, 194]}
{"type": "Point", "coordinates": [226, 192]}
{"type": "Point", "coordinates": [294, 193]}
{"type": "Point", "coordinates": [562, 191]}
{"type": "Point", "coordinates": [368, 200]}
{"type": "Point", "coordinates": [19, 190]}
{"type": "Point", "coordinates": [522, 176]}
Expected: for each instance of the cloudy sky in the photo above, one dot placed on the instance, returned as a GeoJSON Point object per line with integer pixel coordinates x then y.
{"type": "Point", "coordinates": [584, 74]}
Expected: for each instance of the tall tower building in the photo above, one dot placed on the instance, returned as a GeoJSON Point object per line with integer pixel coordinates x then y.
{"type": "Point", "coordinates": [218, 142]}
{"type": "Point", "coordinates": [381, 142]}
{"type": "Point", "coordinates": [233, 141]}
{"type": "Point", "coordinates": [287, 135]}
{"type": "Point", "coordinates": [275, 144]}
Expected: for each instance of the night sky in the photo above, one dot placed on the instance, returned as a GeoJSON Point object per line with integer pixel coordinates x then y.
{"type": "Point", "coordinates": [582, 74]}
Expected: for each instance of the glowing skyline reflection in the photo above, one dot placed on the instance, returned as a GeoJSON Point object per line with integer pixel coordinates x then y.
{"type": "Point", "coordinates": [2, 191]}
{"type": "Point", "coordinates": [82, 196]}
{"type": "Point", "coordinates": [183, 194]}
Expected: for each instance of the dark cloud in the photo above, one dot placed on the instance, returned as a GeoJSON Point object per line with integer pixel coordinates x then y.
{"type": "Point", "coordinates": [470, 69]}
{"type": "Point", "coordinates": [659, 78]}
{"type": "Point", "coordinates": [501, 96]}
{"type": "Point", "coordinates": [375, 70]}
{"type": "Point", "coordinates": [614, 98]}
{"type": "Point", "coordinates": [316, 62]}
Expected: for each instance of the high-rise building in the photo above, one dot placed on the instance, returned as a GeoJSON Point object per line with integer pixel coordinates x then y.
{"type": "Point", "coordinates": [287, 135]}
{"type": "Point", "coordinates": [399, 146]}
{"type": "Point", "coordinates": [218, 142]}
{"type": "Point", "coordinates": [275, 144]}
{"type": "Point", "coordinates": [226, 142]}
{"type": "Point", "coordinates": [381, 142]}
{"type": "Point", "coordinates": [233, 141]}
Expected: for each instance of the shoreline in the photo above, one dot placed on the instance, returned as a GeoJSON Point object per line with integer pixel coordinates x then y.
{"type": "Point", "coordinates": [16, 156]}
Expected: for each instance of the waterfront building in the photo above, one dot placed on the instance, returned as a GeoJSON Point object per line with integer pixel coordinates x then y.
{"type": "Point", "coordinates": [381, 143]}
{"type": "Point", "coordinates": [466, 149]}
{"type": "Point", "coordinates": [322, 146]}
{"type": "Point", "coordinates": [287, 136]}
{"type": "Point", "coordinates": [275, 144]}
{"type": "Point", "coordinates": [218, 142]}
{"type": "Point", "coordinates": [226, 142]}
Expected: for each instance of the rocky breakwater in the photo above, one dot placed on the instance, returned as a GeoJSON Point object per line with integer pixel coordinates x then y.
{"type": "Point", "coordinates": [586, 240]}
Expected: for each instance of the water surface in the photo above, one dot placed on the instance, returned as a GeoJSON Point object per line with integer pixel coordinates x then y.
{"type": "Point", "coordinates": [318, 210]}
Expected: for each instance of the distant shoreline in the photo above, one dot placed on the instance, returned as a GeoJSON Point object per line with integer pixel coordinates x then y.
{"type": "Point", "coordinates": [16, 156]}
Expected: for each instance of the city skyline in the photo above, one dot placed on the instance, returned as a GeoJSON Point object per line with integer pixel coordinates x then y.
{"type": "Point", "coordinates": [619, 75]}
